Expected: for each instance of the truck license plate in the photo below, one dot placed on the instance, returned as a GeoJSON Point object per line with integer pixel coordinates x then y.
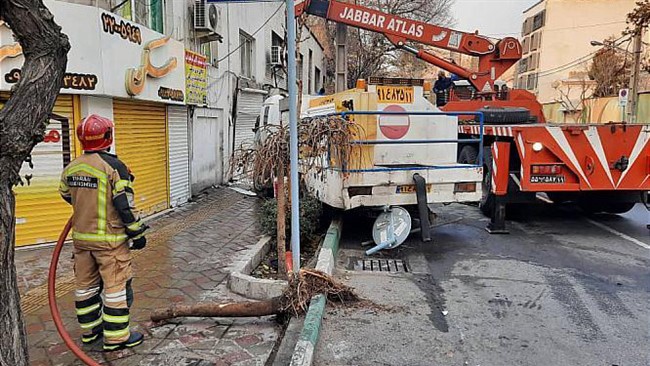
{"type": "Point", "coordinates": [547, 179]}
{"type": "Point", "coordinates": [405, 189]}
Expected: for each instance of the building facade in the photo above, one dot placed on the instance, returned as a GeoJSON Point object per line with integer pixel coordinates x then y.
{"type": "Point", "coordinates": [167, 72]}
{"type": "Point", "coordinates": [251, 65]}
{"type": "Point", "coordinates": [556, 39]}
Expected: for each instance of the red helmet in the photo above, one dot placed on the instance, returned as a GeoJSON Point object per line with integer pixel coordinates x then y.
{"type": "Point", "coordinates": [95, 133]}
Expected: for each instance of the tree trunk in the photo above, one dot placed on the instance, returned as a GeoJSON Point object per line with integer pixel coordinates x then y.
{"type": "Point", "coordinates": [22, 124]}
{"type": "Point", "coordinates": [281, 224]}
{"type": "Point", "coordinates": [238, 309]}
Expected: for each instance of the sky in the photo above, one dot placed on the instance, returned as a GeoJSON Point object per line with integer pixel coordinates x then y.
{"type": "Point", "coordinates": [498, 18]}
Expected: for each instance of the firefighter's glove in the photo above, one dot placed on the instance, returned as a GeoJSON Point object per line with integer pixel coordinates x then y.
{"type": "Point", "coordinates": [135, 229]}
{"type": "Point", "coordinates": [139, 242]}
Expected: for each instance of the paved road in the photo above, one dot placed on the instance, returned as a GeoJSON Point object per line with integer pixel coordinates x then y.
{"type": "Point", "coordinates": [561, 289]}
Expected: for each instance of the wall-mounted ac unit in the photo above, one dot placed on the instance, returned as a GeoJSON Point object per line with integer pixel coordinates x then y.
{"type": "Point", "coordinates": [207, 17]}
{"type": "Point", "coordinates": [276, 55]}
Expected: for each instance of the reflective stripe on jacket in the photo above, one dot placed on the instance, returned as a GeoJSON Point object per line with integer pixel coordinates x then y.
{"type": "Point", "coordinates": [99, 187]}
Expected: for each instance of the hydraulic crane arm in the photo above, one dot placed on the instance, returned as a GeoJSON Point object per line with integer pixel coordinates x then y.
{"type": "Point", "coordinates": [494, 58]}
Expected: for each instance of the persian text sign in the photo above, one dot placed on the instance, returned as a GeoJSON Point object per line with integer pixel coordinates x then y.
{"type": "Point", "coordinates": [395, 94]}
{"type": "Point", "coordinates": [196, 78]}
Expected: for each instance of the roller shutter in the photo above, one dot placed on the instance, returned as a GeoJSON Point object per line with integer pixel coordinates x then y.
{"type": "Point", "coordinates": [248, 108]}
{"type": "Point", "coordinates": [40, 211]}
{"type": "Point", "coordinates": [141, 142]}
{"type": "Point", "coordinates": [179, 155]}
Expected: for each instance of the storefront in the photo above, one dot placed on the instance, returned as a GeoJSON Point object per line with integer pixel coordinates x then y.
{"type": "Point", "coordinates": [122, 71]}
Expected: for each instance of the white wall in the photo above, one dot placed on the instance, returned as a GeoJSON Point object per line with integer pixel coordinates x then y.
{"type": "Point", "coordinates": [249, 17]}
{"type": "Point", "coordinates": [99, 106]}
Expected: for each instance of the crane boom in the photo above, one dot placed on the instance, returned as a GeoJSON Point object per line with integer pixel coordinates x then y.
{"type": "Point", "coordinates": [494, 58]}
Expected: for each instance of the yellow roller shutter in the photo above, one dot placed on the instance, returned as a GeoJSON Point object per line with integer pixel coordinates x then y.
{"type": "Point", "coordinates": [40, 211]}
{"type": "Point", "coordinates": [141, 142]}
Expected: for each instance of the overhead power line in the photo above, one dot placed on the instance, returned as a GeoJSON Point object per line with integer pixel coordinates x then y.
{"type": "Point", "coordinates": [254, 33]}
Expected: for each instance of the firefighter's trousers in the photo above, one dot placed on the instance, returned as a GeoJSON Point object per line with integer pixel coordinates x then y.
{"type": "Point", "coordinates": [107, 271]}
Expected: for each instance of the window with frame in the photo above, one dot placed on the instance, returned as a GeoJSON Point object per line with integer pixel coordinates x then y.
{"type": "Point", "coordinates": [532, 82]}
{"type": "Point", "coordinates": [523, 65]}
{"type": "Point", "coordinates": [526, 45]}
{"type": "Point", "coordinates": [539, 20]}
{"type": "Point", "coordinates": [310, 84]}
{"type": "Point", "coordinates": [246, 54]}
{"type": "Point", "coordinates": [317, 78]}
{"type": "Point", "coordinates": [277, 48]}
{"type": "Point", "coordinates": [149, 13]}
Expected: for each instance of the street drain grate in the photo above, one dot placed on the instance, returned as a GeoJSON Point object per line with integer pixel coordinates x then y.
{"type": "Point", "coordinates": [382, 265]}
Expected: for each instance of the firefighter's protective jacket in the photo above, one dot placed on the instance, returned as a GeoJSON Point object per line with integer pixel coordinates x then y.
{"type": "Point", "coordinates": [99, 186]}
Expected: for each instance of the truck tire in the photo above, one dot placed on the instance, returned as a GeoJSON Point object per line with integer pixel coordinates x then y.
{"type": "Point", "coordinates": [488, 198]}
{"type": "Point", "coordinates": [504, 116]}
{"type": "Point", "coordinates": [619, 207]}
{"type": "Point", "coordinates": [468, 155]}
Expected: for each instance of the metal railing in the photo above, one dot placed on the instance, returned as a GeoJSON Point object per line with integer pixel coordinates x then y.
{"type": "Point", "coordinates": [480, 141]}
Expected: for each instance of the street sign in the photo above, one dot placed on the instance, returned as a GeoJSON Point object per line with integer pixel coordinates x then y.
{"type": "Point", "coordinates": [394, 126]}
{"type": "Point", "coordinates": [623, 96]}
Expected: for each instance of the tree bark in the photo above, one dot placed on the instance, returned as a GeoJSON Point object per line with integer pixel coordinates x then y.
{"type": "Point", "coordinates": [281, 224]}
{"type": "Point", "coordinates": [239, 309]}
{"type": "Point", "coordinates": [22, 124]}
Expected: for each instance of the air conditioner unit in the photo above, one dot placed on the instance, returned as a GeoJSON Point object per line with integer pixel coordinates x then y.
{"type": "Point", "coordinates": [276, 55]}
{"type": "Point", "coordinates": [207, 17]}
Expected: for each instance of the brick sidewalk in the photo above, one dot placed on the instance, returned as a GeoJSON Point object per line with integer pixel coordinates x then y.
{"type": "Point", "coordinates": [187, 259]}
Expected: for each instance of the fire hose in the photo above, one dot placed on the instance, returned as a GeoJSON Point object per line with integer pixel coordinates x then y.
{"type": "Point", "coordinates": [54, 309]}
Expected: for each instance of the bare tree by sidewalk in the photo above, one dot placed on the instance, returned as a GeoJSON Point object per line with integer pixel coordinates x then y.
{"type": "Point", "coordinates": [610, 69]}
{"type": "Point", "coordinates": [574, 95]}
{"type": "Point", "coordinates": [22, 125]}
{"type": "Point", "coordinates": [371, 54]}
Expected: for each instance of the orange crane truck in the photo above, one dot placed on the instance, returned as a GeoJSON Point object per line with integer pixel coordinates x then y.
{"type": "Point", "coordinates": [601, 167]}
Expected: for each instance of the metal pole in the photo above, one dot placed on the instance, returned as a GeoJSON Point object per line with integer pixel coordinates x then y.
{"type": "Point", "coordinates": [634, 83]}
{"type": "Point", "coordinates": [293, 133]}
{"type": "Point", "coordinates": [341, 82]}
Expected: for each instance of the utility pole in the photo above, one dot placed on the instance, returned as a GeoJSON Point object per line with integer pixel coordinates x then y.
{"type": "Point", "coordinates": [634, 81]}
{"type": "Point", "coordinates": [341, 82]}
{"type": "Point", "coordinates": [293, 133]}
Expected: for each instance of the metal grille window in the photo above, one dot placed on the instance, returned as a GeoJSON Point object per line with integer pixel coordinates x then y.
{"type": "Point", "coordinates": [299, 66]}
{"type": "Point", "coordinates": [246, 53]}
{"type": "Point", "coordinates": [523, 65]}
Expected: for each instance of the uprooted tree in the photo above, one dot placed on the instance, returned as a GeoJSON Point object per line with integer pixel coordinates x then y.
{"type": "Point", "coordinates": [22, 125]}
{"type": "Point", "coordinates": [318, 137]}
{"type": "Point", "coordinates": [293, 301]}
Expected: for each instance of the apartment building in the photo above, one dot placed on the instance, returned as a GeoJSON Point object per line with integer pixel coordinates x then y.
{"type": "Point", "coordinates": [556, 38]}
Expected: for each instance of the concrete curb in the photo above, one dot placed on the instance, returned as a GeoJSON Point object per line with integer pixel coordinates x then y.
{"type": "Point", "coordinates": [303, 354]}
{"type": "Point", "coordinates": [241, 283]}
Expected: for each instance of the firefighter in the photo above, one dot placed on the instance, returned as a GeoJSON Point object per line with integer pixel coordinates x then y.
{"type": "Point", "coordinates": [99, 188]}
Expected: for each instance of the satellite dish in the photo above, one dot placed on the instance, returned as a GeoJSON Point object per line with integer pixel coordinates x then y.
{"type": "Point", "coordinates": [213, 16]}
{"type": "Point", "coordinates": [396, 228]}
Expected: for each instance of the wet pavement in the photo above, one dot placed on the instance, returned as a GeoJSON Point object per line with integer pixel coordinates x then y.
{"type": "Point", "coordinates": [562, 289]}
{"type": "Point", "coordinates": [187, 259]}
